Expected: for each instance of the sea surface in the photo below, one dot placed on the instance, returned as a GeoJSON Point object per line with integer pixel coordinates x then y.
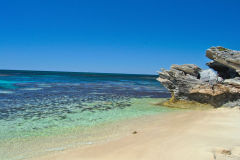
{"type": "Point", "coordinates": [39, 109]}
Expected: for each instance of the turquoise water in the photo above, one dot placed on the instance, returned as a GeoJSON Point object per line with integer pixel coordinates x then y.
{"type": "Point", "coordinates": [35, 105]}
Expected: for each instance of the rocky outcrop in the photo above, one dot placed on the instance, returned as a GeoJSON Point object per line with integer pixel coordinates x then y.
{"type": "Point", "coordinates": [224, 58]}
{"type": "Point", "coordinates": [218, 87]}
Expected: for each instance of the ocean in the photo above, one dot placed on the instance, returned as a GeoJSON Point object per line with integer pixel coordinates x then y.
{"type": "Point", "coordinates": [48, 111]}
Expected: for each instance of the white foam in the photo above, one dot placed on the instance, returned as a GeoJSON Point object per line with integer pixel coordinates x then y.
{"type": "Point", "coordinates": [31, 89]}
{"type": "Point", "coordinates": [6, 92]}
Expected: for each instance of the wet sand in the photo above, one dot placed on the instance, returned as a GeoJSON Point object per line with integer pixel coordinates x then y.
{"type": "Point", "coordinates": [193, 135]}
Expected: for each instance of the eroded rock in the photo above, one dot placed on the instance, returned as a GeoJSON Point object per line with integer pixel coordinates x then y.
{"type": "Point", "coordinates": [191, 69]}
{"type": "Point", "coordinates": [224, 57]}
{"type": "Point", "coordinates": [234, 81]}
{"type": "Point", "coordinates": [190, 82]}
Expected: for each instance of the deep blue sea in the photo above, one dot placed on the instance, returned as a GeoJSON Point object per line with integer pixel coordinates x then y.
{"type": "Point", "coordinates": [37, 104]}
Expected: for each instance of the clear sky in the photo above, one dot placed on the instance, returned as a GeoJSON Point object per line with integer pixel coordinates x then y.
{"type": "Point", "coordinates": [124, 36]}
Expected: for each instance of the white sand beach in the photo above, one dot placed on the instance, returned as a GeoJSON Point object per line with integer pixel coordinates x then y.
{"type": "Point", "coordinates": [193, 135]}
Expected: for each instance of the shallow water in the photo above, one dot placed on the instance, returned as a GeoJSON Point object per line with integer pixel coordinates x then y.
{"type": "Point", "coordinates": [35, 106]}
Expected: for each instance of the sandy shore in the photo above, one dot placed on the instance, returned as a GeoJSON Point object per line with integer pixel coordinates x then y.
{"type": "Point", "coordinates": [194, 135]}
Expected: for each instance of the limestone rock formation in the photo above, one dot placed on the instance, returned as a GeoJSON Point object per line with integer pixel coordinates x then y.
{"type": "Point", "coordinates": [189, 82]}
{"type": "Point", "coordinates": [224, 57]}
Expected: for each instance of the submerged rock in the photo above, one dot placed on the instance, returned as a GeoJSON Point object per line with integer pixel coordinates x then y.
{"type": "Point", "coordinates": [191, 83]}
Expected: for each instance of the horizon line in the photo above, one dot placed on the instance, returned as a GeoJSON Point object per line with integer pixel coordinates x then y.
{"type": "Point", "coordinates": [78, 72]}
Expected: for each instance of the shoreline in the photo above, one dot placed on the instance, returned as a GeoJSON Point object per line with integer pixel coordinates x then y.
{"type": "Point", "coordinates": [111, 126]}
{"type": "Point", "coordinates": [199, 135]}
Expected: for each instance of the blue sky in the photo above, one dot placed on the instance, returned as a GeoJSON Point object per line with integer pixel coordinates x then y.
{"type": "Point", "coordinates": [127, 36]}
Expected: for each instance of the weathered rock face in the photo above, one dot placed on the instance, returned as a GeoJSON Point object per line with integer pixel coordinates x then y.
{"type": "Point", "coordinates": [225, 61]}
{"type": "Point", "coordinates": [189, 82]}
